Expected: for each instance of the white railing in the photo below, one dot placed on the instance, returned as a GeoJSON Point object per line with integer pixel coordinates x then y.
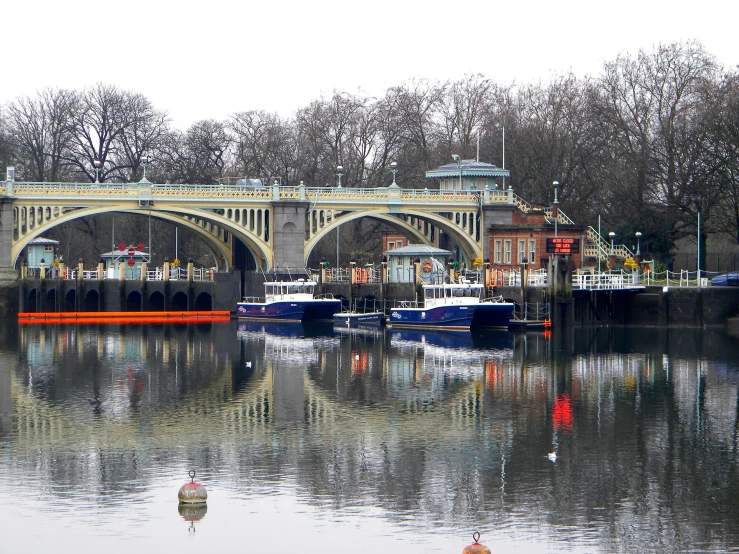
{"type": "Point", "coordinates": [338, 275]}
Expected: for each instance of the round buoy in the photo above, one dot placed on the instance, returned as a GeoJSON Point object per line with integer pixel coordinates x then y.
{"type": "Point", "coordinates": [192, 512]}
{"type": "Point", "coordinates": [192, 492]}
{"type": "Point", "coordinates": [476, 547]}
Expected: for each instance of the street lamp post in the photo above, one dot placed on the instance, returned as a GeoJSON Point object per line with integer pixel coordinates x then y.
{"type": "Point", "coordinates": [696, 200]}
{"type": "Point", "coordinates": [339, 173]}
{"type": "Point", "coordinates": [394, 169]}
{"type": "Point", "coordinates": [612, 255]}
{"type": "Point", "coordinates": [457, 159]}
{"type": "Point", "coordinates": [638, 246]}
{"type": "Point", "coordinates": [503, 167]}
{"type": "Point", "coordinates": [524, 282]}
{"type": "Point", "coordinates": [144, 160]}
{"type": "Point", "coordinates": [555, 210]}
{"type": "Point", "coordinates": [97, 164]}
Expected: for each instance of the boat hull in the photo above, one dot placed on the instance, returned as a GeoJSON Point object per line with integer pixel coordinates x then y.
{"type": "Point", "coordinates": [455, 318]}
{"type": "Point", "coordinates": [440, 317]}
{"type": "Point", "coordinates": [321, 309]}
{"type": "Point", "coordinates": [492, 315]}
{"type": "Point", "coordinates": [351, 319]}
{"type": "Point", "coordinates": [273, 311]}
{"type": "Point", "coordinates": [307, 310]}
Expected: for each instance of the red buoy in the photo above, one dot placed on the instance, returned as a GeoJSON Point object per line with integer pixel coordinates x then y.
{"type": "Point", "coordinates": [476, 547]}
{"type": "Point", "coordinates": [192, 492]}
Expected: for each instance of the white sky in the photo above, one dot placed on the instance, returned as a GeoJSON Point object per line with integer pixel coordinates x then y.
{"type": "Point", "coordinates": [209, 59]}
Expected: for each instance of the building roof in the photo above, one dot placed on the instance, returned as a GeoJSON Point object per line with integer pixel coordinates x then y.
{"type": "Point", "coordinates": [124, 254]}
{"type": "Point", "coordinates": [417, 250]}
{"type": "Point", "coordinates": [469, 168]}
{"type": "Point", "coordinates": [42, 240]}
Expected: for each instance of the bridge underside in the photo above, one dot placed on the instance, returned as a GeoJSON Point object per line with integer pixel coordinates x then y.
{"type": "Point", "coordinates": [272, 232]}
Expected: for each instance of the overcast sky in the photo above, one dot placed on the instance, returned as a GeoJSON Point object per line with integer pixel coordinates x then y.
{"type": "Point", "coordinates": [203, 60]}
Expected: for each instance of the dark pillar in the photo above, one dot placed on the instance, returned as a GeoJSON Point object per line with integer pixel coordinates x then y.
{"type": "Point", "coordinates": [560, 290]}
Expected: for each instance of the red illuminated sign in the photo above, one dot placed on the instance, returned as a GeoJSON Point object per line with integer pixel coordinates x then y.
{"type": "Point", "coordinates": [563, 245]}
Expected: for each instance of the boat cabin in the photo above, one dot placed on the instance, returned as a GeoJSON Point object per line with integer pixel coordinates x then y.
{"type": "Point", "coordinates": [289, 290]}
{"type": "Point", "coordinates": [452, 294]}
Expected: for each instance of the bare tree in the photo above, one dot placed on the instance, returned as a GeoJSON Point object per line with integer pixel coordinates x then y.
{"type": "Point", "coordinates": [116, 128]}
{"type": "Point", "coordinates": [198, 156]}
{"type": "Point", "coordinates": [646, 108]}
{"type": "Point", "coordinates": [40, 130]}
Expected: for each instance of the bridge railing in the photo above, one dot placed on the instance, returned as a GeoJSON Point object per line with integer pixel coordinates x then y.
{"type": "Point", "coordinates": [153, 274]}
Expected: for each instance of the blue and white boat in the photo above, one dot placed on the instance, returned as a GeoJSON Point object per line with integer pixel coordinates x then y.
{"type": "Point", "coordinates": [364, 314]}
{"type": "Point", "coordinates": [289, 301]}
{"type": "Point", "coordinates": [359, 319]}
{"type": "Point", "coordinates": [454, 306]}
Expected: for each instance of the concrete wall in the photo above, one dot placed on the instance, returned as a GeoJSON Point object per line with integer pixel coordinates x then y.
{"type": "Point", "coordinates": [113, 294]}
{"type": "Point", "coordinates": [688, 306]}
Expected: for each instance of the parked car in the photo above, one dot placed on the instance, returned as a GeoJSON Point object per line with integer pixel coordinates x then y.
{"type": "Point", "coordinates": [726, 280]}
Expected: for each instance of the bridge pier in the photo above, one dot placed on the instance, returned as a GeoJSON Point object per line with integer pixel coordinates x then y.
{"type": "Point", "coordinates": [8, 274]}
{"type": "Point", "coordinates": [289, 233]}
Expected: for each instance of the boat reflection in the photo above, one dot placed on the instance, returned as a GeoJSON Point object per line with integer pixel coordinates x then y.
{"type": "Point", "coordinates": [285, 329]}
{"type": "Point", "coordinates": [488, 340]}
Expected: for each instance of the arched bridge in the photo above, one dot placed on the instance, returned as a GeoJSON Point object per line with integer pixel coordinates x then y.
{"type": "Point", "coordinates": [279, 225]}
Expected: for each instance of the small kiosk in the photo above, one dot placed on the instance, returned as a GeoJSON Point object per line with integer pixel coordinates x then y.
{"type": "Point", "coordinates": [131, 256]}
{"type": "Point", "coordinates": [432, 263]}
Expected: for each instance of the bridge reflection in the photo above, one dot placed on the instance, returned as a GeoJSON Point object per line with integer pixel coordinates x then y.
{"type": "Point", "coordinates": [392, 419]}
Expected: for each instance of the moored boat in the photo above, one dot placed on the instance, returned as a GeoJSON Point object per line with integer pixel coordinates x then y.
{"type": "Point", "coordinates": [454, 306]}
{"type": "Point", "coordinates": [289, 301]}
{"type": "Point", "coordinates": [354, 319]}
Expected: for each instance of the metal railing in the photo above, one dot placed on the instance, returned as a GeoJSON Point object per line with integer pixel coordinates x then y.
{"type": "Point", "coordinates": [531, 311]}
{"type": "Point", "coordinates": [154, 274]}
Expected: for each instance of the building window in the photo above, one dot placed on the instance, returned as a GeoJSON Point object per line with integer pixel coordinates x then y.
{"type": "Point", "coordinates": [521, 251]}
{"type": "Point", "coordinates": [507, 255]}
{"type": "Point", "coordinates": [48, 248]}
{"type": "Point", "coordinates": [532, 251]}
{"type": "Point", "coordinates": [391, 245]}
{"type": "Point", "coordinates": [498, 252]}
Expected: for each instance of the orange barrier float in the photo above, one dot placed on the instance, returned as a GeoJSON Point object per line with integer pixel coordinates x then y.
{"type": "Point", "coordinates": [123, 317]}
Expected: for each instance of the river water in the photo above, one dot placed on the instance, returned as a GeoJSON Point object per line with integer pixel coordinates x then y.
{"type": "Point", "coordinates": [333, 441]}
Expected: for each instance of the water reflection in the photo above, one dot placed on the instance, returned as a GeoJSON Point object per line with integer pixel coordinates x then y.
{"type": "Point", "coordinates": [607, 439]}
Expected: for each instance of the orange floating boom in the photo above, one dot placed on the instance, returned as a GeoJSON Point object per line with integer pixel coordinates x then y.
{"type": "Point", "coordinates": [122, 315]}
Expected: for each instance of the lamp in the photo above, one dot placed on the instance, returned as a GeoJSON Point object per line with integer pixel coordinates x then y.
{"type": "Point", "coordinates": [457, 159]}
{"type": "Point", "coordinates": [144, 160]}
{"type": "Point", "coordinates": [97, 164]}
{"type": "Point", "coordinates": [394, 169]}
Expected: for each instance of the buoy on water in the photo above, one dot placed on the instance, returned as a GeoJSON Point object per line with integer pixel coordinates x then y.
{"type": "Point", "coordinates": [192, 492]}
{"type": "Point", "coordinates": [476, 547]}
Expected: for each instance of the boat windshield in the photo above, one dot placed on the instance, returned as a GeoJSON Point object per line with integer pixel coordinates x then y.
{"type": "Point", "coordinates": [468, 290]}
{"type": "Point", "coordinates": [282, 288]}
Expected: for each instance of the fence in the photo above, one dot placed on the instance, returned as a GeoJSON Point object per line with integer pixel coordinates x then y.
{"type": "Point", "coordinates": [155, 274]}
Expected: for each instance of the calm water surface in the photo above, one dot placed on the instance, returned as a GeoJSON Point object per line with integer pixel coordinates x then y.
{"type": "Point", "coordinates": [331, 441]}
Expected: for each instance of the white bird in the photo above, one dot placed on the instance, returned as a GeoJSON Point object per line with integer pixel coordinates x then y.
{"type": "Point", "coordinates": [552, 457]}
